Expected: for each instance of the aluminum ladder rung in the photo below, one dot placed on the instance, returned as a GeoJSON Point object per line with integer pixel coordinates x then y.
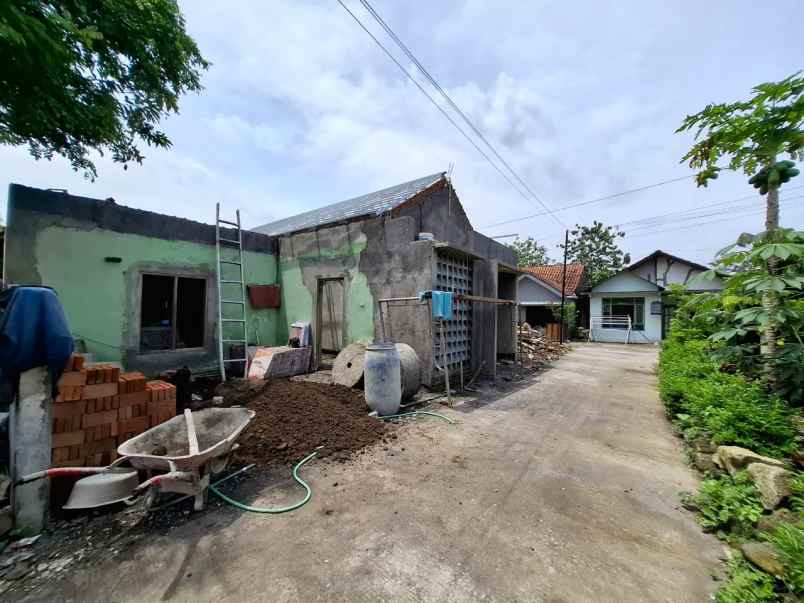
{"type": "Point", "coordinates": [230, 262]}
{"type": "Point", "coordinates": [234, 360]}
{"type": "Point", "coordinates": [233, 319]}
{"type": "Point", "coordinates": [230, 282]}
{"type": "Point", "coordinates": [233, 340]}
{"type": "Point", "coordinates": [222, 221]}
{"type": "Point", "coordinates": [232, 241]}
{"type": "Point", "coordinates": [232, 301]}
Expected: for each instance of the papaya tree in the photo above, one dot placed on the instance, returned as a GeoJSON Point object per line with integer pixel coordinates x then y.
{"type": "Point", "coordinates": [752, 136]}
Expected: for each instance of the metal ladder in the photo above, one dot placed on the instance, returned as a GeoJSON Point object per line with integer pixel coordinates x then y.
{"type": "Point", "coordinates": [241, 303]}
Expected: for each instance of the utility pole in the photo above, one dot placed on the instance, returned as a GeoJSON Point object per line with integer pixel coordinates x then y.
{"type": "Point", "coordinates": [564, 285]}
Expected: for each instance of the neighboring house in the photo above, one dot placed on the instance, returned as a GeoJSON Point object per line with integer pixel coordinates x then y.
{"type": "Point", "coordinates": [539, 292]}
{"type": "Point", "coordinates": [638, 294]}
{"type": "Point", "coordinates": [140, 287]}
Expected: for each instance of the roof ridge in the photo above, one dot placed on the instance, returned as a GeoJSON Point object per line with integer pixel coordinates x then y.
{"type": "Point", "coordinates": [374, 202]}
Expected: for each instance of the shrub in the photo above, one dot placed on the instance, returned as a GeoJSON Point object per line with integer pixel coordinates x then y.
{"type": "Point", "coordinates": [728, 504]}
{"type": "Point", "coordinates": [736, 411]}
{"type": "Point", "coordinates": [797, 498]}
{"type": "Point", "coordinates": [746, 585]}
{"type": "Point", "coordinates": [733, 409]}
{"type": "Point", "coordinates": [789, 542]}
{"type": "Point", "coordinates": [680, 365]}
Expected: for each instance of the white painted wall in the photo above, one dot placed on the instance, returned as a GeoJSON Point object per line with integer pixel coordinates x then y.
{"type": "Point", "coordinates": [653, 323]}
{"type": "Point", "coordinates": [627, 284]}
{"type": "Point", "coordinates": [667, 271]}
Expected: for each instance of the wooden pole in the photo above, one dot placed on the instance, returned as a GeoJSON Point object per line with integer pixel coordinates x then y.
{"type": "Point", "coordinates": [563, 286]}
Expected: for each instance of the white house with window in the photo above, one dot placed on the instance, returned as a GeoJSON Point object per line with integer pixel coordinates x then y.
{"type": "Point", "coordinates": [630, 305]}
{"type": "Point", "coordinates": [626, 307]}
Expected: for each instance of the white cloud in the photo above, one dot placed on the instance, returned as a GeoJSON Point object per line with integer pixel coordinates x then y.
{"type": "Point", "coordinates": [300, 108]}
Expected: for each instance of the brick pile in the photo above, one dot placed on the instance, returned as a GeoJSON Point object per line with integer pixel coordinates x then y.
{"type": "Point", "coordinates": [98, 408]}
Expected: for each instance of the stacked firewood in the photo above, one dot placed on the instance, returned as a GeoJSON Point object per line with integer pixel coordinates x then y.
{"type": "Point", "coordinates": [536, 347]}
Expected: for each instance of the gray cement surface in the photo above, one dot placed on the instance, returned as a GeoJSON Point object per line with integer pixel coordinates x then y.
{"type": "Point", "coordinates": [564, 489]}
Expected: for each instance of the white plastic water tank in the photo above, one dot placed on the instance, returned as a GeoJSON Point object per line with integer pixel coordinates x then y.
{"type": "Point", "coordinates": [382, 376]}
{"type": "Point", "coordinates": [411, 370]}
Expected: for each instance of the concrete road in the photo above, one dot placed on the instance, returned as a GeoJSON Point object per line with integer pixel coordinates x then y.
{"type": "Point", "coordinates": [565, 489]}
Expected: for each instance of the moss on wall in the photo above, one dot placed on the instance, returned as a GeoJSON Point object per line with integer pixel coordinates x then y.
{"type": "Point", "coordinates": [328, 253]}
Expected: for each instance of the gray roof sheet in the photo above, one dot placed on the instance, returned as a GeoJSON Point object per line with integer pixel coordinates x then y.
{"type": "Point", "coordinates": [375, 203]}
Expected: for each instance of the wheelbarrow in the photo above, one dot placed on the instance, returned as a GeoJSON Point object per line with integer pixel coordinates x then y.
{"type": "Point", "coordinates": [189, 448]}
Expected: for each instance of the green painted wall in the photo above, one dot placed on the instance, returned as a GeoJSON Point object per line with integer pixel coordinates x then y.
{"type": "Point", "coordinates": [298, 274]}
{"type": "Point", "coordinates": [94, 292]}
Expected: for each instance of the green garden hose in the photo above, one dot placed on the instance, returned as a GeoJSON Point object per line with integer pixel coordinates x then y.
{"type": "Point", "coordinates": [276, 510]}
{"type": "Point", "coordinates": [417, 412]}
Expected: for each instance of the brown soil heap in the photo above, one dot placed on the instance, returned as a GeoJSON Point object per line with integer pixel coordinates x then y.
{"type": "Point", "coordinates": [294, 418]}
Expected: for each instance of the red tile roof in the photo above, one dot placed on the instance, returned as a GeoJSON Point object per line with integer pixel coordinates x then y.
{"type": "Point", "coordinates": [552, 275]}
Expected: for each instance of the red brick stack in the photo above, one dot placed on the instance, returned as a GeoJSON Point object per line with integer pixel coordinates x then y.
{"type": "Point", "coordinates": [161, 402]}
{"type": "Point", "coordinates": [98, 408]}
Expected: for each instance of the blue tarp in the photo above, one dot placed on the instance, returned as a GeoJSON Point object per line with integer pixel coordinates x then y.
{"type": "Point", "coordinates": [33, 332]}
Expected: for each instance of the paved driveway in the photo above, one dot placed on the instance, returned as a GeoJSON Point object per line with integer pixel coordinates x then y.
{"type": "Point", "coordinates": [563, 490]}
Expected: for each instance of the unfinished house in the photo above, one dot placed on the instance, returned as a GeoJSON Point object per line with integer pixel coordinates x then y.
{"type": "Point", "coordinates": [140, 287]}
{"type": "Point", "coordinates": [137, 287]}
{"type": "Point", "coordinates": [337, 262]}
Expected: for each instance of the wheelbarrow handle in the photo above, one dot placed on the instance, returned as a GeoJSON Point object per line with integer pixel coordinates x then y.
{"type": "Point", "coordinates": [59, 472]}
{"type": "Point", "coordinates": [67, 472]}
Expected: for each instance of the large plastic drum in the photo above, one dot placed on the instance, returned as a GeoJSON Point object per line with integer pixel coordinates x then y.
{"type": "Point", "coordinates": [382, 376]}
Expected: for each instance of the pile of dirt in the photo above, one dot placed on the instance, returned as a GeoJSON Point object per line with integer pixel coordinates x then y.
{"type": "Point", "coordinates": [294, 418]}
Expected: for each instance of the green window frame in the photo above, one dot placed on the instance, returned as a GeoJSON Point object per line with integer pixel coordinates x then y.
{"type": "Point", "coordinates": [622, 306]}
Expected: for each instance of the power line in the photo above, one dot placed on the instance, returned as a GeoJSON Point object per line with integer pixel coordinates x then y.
{"type": "Point", "coordinates": [702, 210]}
{"type": "Point", "coordinates": [699, 224]}
{"type": "Point", "coordinates": [745, 208]}
{"type": "Point", "coordinates": [554, 236]}
{"type": "Point", "coordinates": [432, 100]}
{"type": "Point", "coordinates": [454, 106]}
{"type": "Point", "coordinates": [596, 200]}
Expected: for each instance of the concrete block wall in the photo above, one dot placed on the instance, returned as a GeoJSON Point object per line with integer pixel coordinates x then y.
{"type": "Point", "coordinates": [63, 241]}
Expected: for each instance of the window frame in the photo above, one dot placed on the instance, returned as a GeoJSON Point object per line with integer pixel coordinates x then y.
{"type": "Point", "coordinates": [637, 303]}
{"type": "Point", "coordinates": [174, 313]}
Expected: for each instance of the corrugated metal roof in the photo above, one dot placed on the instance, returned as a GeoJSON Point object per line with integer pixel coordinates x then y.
{"type": "Point", "coordinates": [375, 203]}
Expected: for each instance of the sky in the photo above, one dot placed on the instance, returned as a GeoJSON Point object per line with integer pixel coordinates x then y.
{"type": "Point", "coordinates": [301, 109]}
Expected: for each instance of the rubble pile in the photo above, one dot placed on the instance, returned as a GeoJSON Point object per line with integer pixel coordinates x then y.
{"type": "Point", "coordinates": [537, 348]}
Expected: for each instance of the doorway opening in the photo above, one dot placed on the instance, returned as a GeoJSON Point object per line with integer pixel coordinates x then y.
{"type": "Point", "coordinates": [329, 332]}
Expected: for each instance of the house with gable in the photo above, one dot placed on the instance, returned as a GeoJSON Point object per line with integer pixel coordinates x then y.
{"type": "Point", "coordinates": [631, 305]}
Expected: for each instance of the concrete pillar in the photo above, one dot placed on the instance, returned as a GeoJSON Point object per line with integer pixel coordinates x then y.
{"type": "Point", "coordinates": [484, 317]}
{"type": "Point", "coordinates": [30, 427]}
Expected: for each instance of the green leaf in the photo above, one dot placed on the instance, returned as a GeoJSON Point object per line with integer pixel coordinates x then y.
{"type": "Point", "coordinates": [727, 334]}
{"type": "Point", "coordinates": [781, 251]}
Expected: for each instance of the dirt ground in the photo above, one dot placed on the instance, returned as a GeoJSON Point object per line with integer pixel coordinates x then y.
{"type": "Point", "coordinates": [295, 418]}
{"type": "Point", "coordinates": [563, 489]}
